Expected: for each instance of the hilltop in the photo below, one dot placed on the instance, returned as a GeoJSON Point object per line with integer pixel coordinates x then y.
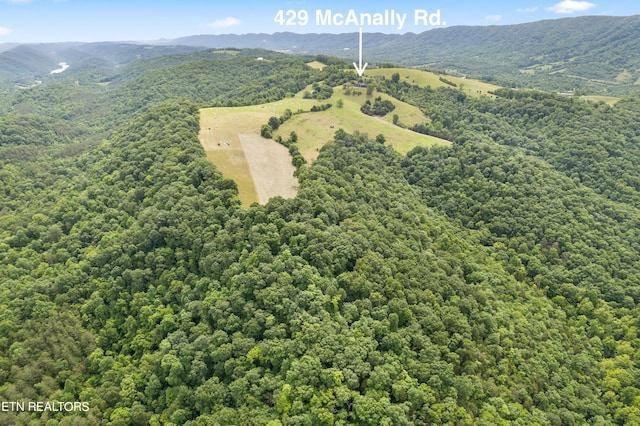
{"type": "Point", "coordinates": [224, 130]}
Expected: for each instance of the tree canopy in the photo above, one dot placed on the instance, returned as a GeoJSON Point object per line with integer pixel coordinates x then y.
{"type": "Point", "coordinates": [495, 281]}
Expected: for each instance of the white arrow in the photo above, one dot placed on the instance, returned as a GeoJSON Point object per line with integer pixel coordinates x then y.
{"type": "Point", "coordinates": [359, 68]}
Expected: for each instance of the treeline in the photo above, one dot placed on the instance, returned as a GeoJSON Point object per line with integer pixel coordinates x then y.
{"type": "Point", "coordinates": [448, 82]}
{"type": "Point", "coordinates": [331, 60]}
{"type": "Point", "coordinates": [266, 131]}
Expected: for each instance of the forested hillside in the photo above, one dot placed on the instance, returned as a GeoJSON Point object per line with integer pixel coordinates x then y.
{"type": "Point", "coordinates": [492, 282]}
{"type": "Point", "coordinates": [31, 64]}
{"type": "Point", "coordinates": [595, 54]}
{"type": "Point", "coordinates": [590, 54]}
{"type": "Point", "coordinates": [210, 78]}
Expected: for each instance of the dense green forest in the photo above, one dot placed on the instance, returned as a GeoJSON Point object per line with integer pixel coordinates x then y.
{"type": "Point", "coordinates": [493, 282]}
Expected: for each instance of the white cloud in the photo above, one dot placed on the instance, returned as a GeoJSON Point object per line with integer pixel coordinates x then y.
{"type": "Point", "coordinates": [528, 10]}
{"type": "Point", "coordinates": [5, 31]}
{"type": "Point", "coordinates": [571, 6]}
{"type": "Point", "coordinates": [225, 23]}
{"type": "Point", "coordinates": [493, 18]}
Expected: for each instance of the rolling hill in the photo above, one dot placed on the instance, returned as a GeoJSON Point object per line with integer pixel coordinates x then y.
{"type": "Point", "coordinates": [223, 130]}
{"type": "Point", "coordinates": [596, 54]}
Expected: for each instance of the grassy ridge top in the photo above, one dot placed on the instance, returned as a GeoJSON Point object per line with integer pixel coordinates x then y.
{"type": "Point", "coordinates": [316, 129]}
{"type": "Point", "coordinates": [424, 78]}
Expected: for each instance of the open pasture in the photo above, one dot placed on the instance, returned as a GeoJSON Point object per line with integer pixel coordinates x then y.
{"type": "Point", "coordinates": [315, 129]}
{"type": "Point", "coordinates": [424, 78]}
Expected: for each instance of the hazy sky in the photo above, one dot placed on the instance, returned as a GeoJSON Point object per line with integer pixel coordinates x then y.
{"type": "Point", "coordinates": [90, 20]}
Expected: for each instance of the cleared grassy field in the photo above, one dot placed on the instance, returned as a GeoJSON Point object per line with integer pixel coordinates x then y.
{"type": "Point", "coordinates": [221, 134]}
{"type": "Point", "coordinates": [609, 100]}
{"type": "Point", "coordinates": [316, 65]}
{"type": "Point", "coordinates": [315, 129]}
{"type": "Point", "coordinates": [270, 167]}
{"type": "Point", "coordinates": [425, 78]}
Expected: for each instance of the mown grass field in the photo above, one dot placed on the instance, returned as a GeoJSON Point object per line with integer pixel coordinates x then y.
{"type": "Point", "coordinates": [217, 128]}
{"type": "Point", "coordinates": [220, 130]}
{"type": "Point", "coordinates": [609, 100]}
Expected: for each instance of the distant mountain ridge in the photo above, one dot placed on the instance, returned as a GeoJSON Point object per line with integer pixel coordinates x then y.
{"type": "Point", "coordinates": [324, 43]}
{"type": "Point", "coordinates": [598, 54]}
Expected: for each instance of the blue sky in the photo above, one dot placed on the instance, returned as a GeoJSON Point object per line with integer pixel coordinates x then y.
{"type": "Point", "coordinates": [118, 20]}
